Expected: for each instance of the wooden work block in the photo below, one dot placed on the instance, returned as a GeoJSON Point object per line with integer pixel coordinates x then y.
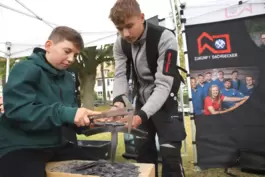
{"type": "Point", "coordinates": [146, 170]}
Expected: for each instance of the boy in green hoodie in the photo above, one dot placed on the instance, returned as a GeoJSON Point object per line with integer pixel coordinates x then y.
{"type": "Point", "coordinates": [39, 100]}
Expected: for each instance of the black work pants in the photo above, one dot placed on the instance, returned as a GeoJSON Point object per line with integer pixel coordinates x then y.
{"type": "Point", "coordinates": [170, 129]}
{"type": "Point", "coordinates": [32, 162]}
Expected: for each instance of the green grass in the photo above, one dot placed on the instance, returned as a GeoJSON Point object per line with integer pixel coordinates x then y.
{"type": "Point", "coordinates": [187, 159]}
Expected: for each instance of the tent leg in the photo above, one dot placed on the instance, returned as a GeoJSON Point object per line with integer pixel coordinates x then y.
{"type": "Point", "coordinates": [8, 53]}
{"type": "Point", "coordinates": [172, 3]}
{"type": "Point", "coordinates": [7, 67]}
{"type": "Point", "coordinates": [193, 128]}
{"type": "Point", "coordinates": [182, 109]}
{"type": "Point", "coordinates": [183, 114]}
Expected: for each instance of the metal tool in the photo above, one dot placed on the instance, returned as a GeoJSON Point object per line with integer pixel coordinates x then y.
{"type": "Point", "coordinates": [130, 110]}
{"type": "Point", "coordinates": [114, 128]}
{"type": "Point", "coordinates": [118, 112]}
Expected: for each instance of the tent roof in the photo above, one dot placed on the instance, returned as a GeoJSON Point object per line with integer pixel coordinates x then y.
{"type": "Point", "coordinates": [27, 24]}
{"type": "Point", "coordinates": [207, 11]}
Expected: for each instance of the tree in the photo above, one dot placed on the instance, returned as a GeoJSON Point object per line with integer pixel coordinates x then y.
{"type": "Point", "coordinates": [86, 65]}
{"type": "Point", "coordinates": [111, 74]}
{"type": "Point", "coordinates": [106, 63]}
{"type": "Point", "coordinates": [3, 67]}
{"type": "Point", "coordinates": [103, 82]}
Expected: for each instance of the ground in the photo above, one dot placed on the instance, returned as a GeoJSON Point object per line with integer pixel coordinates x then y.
{"type": "Point", "coordinates": [187, 159]}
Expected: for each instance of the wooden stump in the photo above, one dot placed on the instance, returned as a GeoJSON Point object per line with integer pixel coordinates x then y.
{"type": "Point", "coordinates": [146, 170]}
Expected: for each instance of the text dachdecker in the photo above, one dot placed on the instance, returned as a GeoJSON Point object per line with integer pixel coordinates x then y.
{"type": "Point", "coordinates": [219, 56]}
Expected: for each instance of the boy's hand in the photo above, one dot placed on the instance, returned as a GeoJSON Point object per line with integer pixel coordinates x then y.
{"type": "Point", "coordinates": [117, 105]}
{"type": "Point", "coordinates": [137, 121]}
{"type": "Point", "coordinates": [81, 117]}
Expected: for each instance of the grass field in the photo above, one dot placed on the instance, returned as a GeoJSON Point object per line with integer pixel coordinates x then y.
{"type": "Point", "coordinates": [187, 159]}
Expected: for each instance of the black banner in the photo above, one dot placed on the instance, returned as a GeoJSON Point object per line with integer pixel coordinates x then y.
{"type": "Point", "coordinates": [227, 64]}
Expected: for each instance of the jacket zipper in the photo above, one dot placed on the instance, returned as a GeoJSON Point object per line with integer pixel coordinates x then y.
{"type": "Point", "coordinates": [61, 94]}
{"type": "Point", "coordinates": [137, 73]}
{"type": "Point", "coordinates": [135, 64]}
{"type": "Point", "coordinates": [61, 98]}
{"type": "Point", "coordinates": [143, 92]}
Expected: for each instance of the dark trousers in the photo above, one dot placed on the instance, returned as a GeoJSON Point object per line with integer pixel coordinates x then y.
{"type": "Point", "coordinates": [171, 132]}
{"type": "Point", "coordinates": [32, 162]}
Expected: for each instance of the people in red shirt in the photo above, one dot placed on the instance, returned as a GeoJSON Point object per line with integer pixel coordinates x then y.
{"type": "Point", "coordinates": [213, 102]}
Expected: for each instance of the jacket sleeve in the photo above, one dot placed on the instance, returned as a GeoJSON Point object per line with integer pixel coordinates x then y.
{"type": "Point", "coordinates": [121, 85]}
{"type": "Point", "coordinates": [21, 107]}
{"type": "Point", "coordinates": [166, 66]}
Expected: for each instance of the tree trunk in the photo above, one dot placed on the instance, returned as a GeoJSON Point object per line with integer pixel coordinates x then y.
{"type": "Point", "coordinates": [87, 90]}
{"type": "Point", "coordinates": [103, 82]}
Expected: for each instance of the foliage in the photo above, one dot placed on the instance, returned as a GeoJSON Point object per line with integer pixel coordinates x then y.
{"type": "Point", "coordinates": [255, 25]}
{"type": "Point", "coordinates": [86, 66]}
{"type": "Point", "coordinates": [95, 95]}
{"type": "Point", "coordinates": [111, 74]}
{"type": "Point", "coordinates": [3, 65]}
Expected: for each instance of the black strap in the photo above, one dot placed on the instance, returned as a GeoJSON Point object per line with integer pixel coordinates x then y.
{"type": "Point", "coordinates": [154, 33]}
{"type": "Point", "coordinates": [127, 50]}
{"type": "Point", "coordinates": [182, 69]}
{"type": "Point", "coordinates": [153, 36]}
{"type": "Point", "coordinates": [130, 71]}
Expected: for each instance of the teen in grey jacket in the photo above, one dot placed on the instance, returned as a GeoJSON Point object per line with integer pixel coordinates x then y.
{"type": "Point", "coordinates": [160, 87]}
{"type": "Point", "coordinates": [156, 100]}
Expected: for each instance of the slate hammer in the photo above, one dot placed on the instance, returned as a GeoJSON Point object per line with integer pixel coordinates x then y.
{"type": "Point", "coordinates": [130, 110]}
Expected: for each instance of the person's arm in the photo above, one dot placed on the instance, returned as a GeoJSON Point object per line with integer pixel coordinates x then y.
{"type": "Point", "coordinates": [212, 111]}
{"type": "Point", "coordinates": [121, 85]}
{"type": "Point", "coordinates": [21, 107]}
{"type": "Point", "coordinates": [234, 99]}
{"type": "Point", "coordinates": [166, 69]}
{"type": "Point", "coordinates": [209, 105]}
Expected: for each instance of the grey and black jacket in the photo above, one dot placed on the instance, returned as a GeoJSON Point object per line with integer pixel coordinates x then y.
{"type": "Point", "coordinates": [152, 92]}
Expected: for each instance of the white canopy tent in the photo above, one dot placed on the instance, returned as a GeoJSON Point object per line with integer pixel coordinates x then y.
{"type": "Point", "coordinates": [196, 12]}
{"type": "Point", "coordinates": [26, 24]}
{"type": "Point", "coordinates": [207, 11]}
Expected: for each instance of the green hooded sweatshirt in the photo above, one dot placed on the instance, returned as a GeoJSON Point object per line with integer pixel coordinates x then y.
{"type": "Point", "coordinates": [38, 100]}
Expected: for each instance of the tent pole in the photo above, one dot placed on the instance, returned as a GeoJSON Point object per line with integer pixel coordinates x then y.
{"type": "Point", "coordinates": [7, 66]}
{"type": "Point", "coordinates": [8, 54]}
{"type": "Point", "coordinates": [172, 3]}
{"type": "Point", "coordinates": [37, 17]}
{"type": "Point", "coordinates": [193, 128]}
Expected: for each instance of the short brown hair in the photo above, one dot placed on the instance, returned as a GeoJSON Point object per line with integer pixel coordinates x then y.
{"type": "Point", "coordinates": [124, 9]}
{"type": "Point", "coordinates": [62, 33]}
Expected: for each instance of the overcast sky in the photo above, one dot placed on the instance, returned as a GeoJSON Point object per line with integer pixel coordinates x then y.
{"type": "Point", "coordinates": [88, 16]}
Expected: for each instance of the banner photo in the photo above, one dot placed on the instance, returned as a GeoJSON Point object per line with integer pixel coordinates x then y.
{"type": "Point", "coordinates": [227, 62]}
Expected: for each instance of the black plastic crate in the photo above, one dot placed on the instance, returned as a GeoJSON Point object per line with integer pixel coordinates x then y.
{"type": "Point", "coordinates": [99, 149]}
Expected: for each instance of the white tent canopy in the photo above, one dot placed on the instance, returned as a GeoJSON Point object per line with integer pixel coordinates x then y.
{"type": "Point", "coordinates": [26, 24]}
{"type": "Point", "coordinates": [207, 11]}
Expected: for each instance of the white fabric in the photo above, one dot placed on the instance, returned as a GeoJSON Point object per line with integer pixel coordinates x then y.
{"type": "Point", "coordinates": [90, 18]}
{"type": "Point", "coordinates": [207, 11]}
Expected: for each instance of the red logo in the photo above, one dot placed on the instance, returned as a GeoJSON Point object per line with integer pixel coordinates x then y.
{"type": "Point", "coordinates": [238, 10]}
{"type": "Point", "coordinates": [220, 41]}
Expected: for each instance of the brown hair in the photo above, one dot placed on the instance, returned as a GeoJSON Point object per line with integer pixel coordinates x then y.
{"type": "Point", "coordinates": [124, 9]}
{"type": "Point", "coordinates": [210, 94]}
{"type": "Point", "coordinates": [62, 33]}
